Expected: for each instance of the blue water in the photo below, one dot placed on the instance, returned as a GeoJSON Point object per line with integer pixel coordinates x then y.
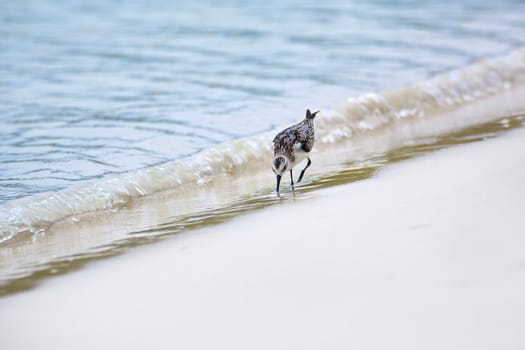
{"type": "Point", "coordinates": [89, 88]}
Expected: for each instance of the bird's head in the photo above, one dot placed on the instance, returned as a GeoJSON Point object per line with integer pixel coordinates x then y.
{"type": "Point", "coordinates": [279, 166]}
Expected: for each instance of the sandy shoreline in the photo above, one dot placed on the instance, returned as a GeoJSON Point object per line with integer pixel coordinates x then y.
{"type": "Point", "coordinates": [426, 255]}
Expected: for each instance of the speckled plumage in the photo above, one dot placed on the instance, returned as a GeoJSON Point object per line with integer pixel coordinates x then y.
{"type": "Point", "coordinates": [286, 142]}
{"type": "Point", "coordinates": [292, 145]}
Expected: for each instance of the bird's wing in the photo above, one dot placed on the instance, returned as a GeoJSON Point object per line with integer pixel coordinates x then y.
{"type": "Point", "coordinates": [286, 139]}
{"type": "Point", "coordinates": [304, 138]}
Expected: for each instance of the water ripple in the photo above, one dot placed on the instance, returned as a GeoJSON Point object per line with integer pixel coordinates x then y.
{"type": "Point", "coordinates": [112, 87]}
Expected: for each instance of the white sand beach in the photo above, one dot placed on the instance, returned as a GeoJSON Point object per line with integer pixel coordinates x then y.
{"type": "Point", "coordinates": [428, 254]}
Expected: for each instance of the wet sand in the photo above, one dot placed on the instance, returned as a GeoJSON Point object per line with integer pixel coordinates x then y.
{"type": "Point", "coordinates": [428, 254]}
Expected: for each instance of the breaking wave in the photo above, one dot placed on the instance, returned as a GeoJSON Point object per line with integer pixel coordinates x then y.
{"type": "Point", "coordinates": [372, 123]}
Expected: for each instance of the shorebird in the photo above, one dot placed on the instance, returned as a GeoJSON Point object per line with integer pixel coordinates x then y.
{"type": "Point", "coordinates": [291, 146]}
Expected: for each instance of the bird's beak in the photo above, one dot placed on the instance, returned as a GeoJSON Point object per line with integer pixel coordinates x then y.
{"type": "Point", "coordinates": [278, 182]}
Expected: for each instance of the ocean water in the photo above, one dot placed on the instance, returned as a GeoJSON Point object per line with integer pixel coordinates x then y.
{"type": "Point", "coordinates": [124, 122]}
{"type": "Point", "coordinates": [91, 88]}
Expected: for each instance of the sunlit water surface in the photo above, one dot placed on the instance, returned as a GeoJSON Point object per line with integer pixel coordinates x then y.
{"type": "Point", "coordinates": [89, 88]}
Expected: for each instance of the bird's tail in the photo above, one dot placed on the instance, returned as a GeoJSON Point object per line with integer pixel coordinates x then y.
{"type": "Point", "coordinates": [310, 115]}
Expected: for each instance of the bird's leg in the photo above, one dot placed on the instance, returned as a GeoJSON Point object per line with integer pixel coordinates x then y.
{"type": "Point", "coordinates": [291, 177]}
{"type": "Point", "coordinates": [278, 183]}
{"type": "Point", "coordinates": [302, 171]}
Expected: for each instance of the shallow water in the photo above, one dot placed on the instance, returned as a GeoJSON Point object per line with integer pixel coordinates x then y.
{"type": "Point", "coordinates": [27, 262]}
{"type": "Point", "coordinates": [144, 86]}
{"type": "Point", "coordinates": [91, 88]}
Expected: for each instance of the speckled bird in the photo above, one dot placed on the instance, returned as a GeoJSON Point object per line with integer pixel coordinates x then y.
{"type": "Point", "coordinates": [291, 146]}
